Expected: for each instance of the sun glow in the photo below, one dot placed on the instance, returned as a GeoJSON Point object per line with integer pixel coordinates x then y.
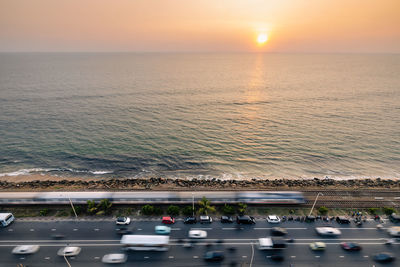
{"type": "Point", "coordinates": [262, 38]}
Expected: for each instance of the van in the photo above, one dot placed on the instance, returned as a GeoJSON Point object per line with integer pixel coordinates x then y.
{"type": "Point", "coordinates": [271, 243]}
{"type": "Point", "coordinates": [245, 219]}
{"type": "Point", "coordinates": [6, 219]}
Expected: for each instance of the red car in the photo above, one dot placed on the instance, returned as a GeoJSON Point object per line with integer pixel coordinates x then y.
{"type": "Point", "coordinates": [168, 220]}
{"type": "Point", "coordinates": [350, 246]}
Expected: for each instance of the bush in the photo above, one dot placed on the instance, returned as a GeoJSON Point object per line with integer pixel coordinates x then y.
{"type": "Point", "coordinates": [173, 210]}
{"type": "Point", "coordinates": [157, 211]}
{"type": "Point", "coordinates": [388, 211]}
{"type": "Point", "coordinates": [323, 210]}
{"type": "Point", "coordinates": [242, 208]}
{"type": "Point", "coordinates": [147, 210]}
{"type": "Point", "coordinates": [63, 213]}
{"type": "Point", "coordinates": [372, 211]}
{"type": "Point", "coordinates": [91, 208]}
{"type": "Point", "coordinates": [44, 212]}
{"type": "Point", "coordinates": [228, 210]}
{"type": "Point", "coordinates": [188, 211]}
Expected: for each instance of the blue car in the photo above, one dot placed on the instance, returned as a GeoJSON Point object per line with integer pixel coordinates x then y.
{"type": "Point", "coordinates": [162, 230]}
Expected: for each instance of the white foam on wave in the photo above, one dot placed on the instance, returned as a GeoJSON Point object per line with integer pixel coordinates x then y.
{"type": "Point", "coordinates": [41, 170]}
{"type": "Point", "coordinates": [25, 172]}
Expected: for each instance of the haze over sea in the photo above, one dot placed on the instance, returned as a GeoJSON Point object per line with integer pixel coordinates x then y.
{"type": "Point", "coordinates": [200, 115]}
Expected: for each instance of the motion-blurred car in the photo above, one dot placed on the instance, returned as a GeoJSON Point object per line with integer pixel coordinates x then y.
{"type": "Point", "coordinates": [205, 219]}
{"type": "Point", "coordinates": [394, 231]}
{"type": "Point", "coordinates": [197, 234]}
{"type": "Point", "coordinates": [350, 246]}
{"type": "Point", "coordinates": [214, 256]}
{"type": "Point", "coordinates": [278, 231]}
{"type": "Point", "coordinates": [168, 220]}
{"type": "Point", "coordinates": [69, 251]}
{"type": "Point", "coordinates": [226, 219]}
{"type": "Point", "coordinates": [26, 249]}
{"type": "Point", "coordinates": [384, 257]}
{"type": "Point", "coordinates": [328, 231]}
{"type": "Point", "coordinates": [114, 258]}
{"type": "Point", "coordinates": [277, 257]}
{"type": "Point", "coordinates": [318, 246]}
{"type": "Point", "coordinates": [245, 219]}
{"type": "Point", "coordinates": [123, 221]}
{"type": "Point", "coordinates": [190, 220]}
{"type": "Point", "coordinates": [162, 230]}
{"type": "Point", "coordinates": [273, 219]}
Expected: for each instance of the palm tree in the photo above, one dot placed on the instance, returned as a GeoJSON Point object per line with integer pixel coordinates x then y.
{"type": "Point", "coordinates": [205, 206]}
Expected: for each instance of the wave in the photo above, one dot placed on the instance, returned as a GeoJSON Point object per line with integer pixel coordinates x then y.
{"type": "Point", "coordinates": [46, 170]}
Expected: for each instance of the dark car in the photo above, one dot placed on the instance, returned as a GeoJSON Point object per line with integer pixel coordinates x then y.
{"type": "Point", "coordinates": [123, 231]}
{"type": "Point", "coordinates": [350, 246]}
{"type": "Point", "coordinates": [394, 218]}
{"type": "Point", "coordinates": [277, 257]}
{"type": "Point", "coordinates": [214, 256]}
{"type": "Point", "coordinates": [245, 219]}
{"type": "Point", "coordinates": [190, 220]}
{"type": "Point", "coordinates": [226, 219]}
{"type": "Point", "coordinates": [342, 220]}
{"type": "Point", "coordinates": [310, 218]}
{"type": "Point", "coordinates": [278, 231]}
{"type": "Point", "coordinates": [384, 257]}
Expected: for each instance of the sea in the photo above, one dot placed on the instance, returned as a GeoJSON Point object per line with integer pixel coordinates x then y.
{"type": "Point", "coordinates": [200, 115]}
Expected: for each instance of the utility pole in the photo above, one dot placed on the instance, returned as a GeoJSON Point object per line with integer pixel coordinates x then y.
{"type": "Point", "coordinates": [315, 202]}
{"type": "Point", "coordinates": [193, 203]}
{"type": "Point", "coordinates": [65, 258]}
{"type": "Point", "coordinates": [76, 216]}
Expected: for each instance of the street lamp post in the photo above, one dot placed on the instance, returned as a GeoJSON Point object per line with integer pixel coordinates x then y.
{"type": "Point", "coordinates": [193, 203]}
{"type": "Point", "coordinates": [315, 202]}
{"type": "Point", "coordinates": [65, 258]}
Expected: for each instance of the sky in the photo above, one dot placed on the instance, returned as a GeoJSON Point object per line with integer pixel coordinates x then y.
{"type": "Point", "coordinates": [312, 26]}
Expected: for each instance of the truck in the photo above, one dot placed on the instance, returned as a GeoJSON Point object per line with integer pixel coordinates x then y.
{"type": "Point", "coordinates": [269, 243]}
{"type": "Point", "coordinates": [145, 242]}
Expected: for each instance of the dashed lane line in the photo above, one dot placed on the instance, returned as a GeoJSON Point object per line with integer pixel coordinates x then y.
{"type": "Point", "coordinates": [146, 257]}
{"type": "Point", "coordinates": [96, 229]}
{"type": "Point", "coordinates": [54, 229]}
{"type": "Point", "coordinates": [171, 257]}
{"type": "Point", "coordinates": [198, 228]}
{"type": "Point", "coordinates": [195, 257]}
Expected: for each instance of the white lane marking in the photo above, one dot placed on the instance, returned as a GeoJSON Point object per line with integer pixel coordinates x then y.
{"type": "Point", "coordinates": [146, 257]}
{"type": "Point", "coordinates": [200, 228]}
{"type": "Point", "coordinates": [266, 228]}
{"type": "Point", "coordinates": [75, 229]}
{"type": "Point", "coordinates": [47, 258]}
{"type": "Point", "coordinates": [175, 229]}
{"type": "Point", "coordinates": [53, 229]}
{"type": "Point", "coordinates": [171, 257]}
{"type": "Point", "coordinates": [140, 229]}
{"type": "Point", "coordinates": [244, 256]}
{"type": "Point", "coordinates": [268, 257]}
{"type": "Point", "coordinates": [96, 258]}
{"type": "Point", "coordinates": [96, 229]}
{"type": "Point", "coordinates": [22, 258]}
{"type": "Point", "coordinates": [229, 228]}
{"type": "Point", "coordinates": [293, 257]}
{"type": "Point", "coordinates": [195, 257]}
{"type": "Point", "coordinates": [317, 256]}
{"type": "Point", "coordinates": [72, 258]}
{"type": "Point", "coordinates": [10, 230]}
{"type": "Point", "coordinates": [341, 256]}
{"type": "Point", "coordinates": [31, 230]}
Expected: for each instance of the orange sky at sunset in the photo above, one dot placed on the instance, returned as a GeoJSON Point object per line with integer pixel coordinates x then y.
{"type": "Point", "coordinates": [204, 25]}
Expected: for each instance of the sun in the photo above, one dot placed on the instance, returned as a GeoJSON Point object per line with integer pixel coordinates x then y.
{"type": "Point", "coordinates": [262, 38]}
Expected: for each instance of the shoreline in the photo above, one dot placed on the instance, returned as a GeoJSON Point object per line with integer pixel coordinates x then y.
{"type": "Point", "coordinates": [57, 183]}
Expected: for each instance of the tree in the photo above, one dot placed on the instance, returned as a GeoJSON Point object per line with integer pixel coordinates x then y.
{"type": "Point", "coordinates": [173, 210]}
{"type": "Point", "coordinates": [205, 206]}
{"type": "Point", "coordinates": [388, 211]}
{"type": "Point", "coordinates": [91, 208]}
{"type": "Point", "coordinates": [147, 210]}
{"type": "Point", "coordinates": [188, 211]}
{"type": "Point", "coordinates": [323, 210]}
{"type": "Point", "coordinates": [242, 208]}
{"type": "Point", "coordinates": [228, 210]}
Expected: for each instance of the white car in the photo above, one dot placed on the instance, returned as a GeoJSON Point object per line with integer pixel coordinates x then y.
{"type": "Point", "coordinates": [273, 219]}
{"type": "Point", "coordinates": [114, 258]}
{"type": "Point", "coordinates": [69, 251]}
{"type": "Point", "coordinates": [328, 231]}
{"type": "Point", "coordinates": [197, 234]}
{"type": "Point", "coordinates": [123, 221]}
{"type": "Point", "coordinates": [394, 231]}
{"type": "Point", "coordinates": [25, 249]}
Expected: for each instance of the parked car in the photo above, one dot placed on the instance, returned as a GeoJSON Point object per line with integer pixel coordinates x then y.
{"type": "Point", "coordinates": [114, 258]}
{"type": "Point", "coordinates": [123, 221]}
{"type": "Point", "coordinates": [226, 219]}
{"type": "Point", "coordinates": [350, 246]}
{"type": "Point", "coordinates": [168, 220]}
{"type": "Point", "coordinates": [318, 246]}
{"type": "Point", "coordinates": [197, 234]}
{"type": "Point", "coordinates": [25, 249]}
{"type": "Point", "coordinates": [278, 231]}
{"type": "Point", "coordinates": [214, 256]}
{"type": "Point", "coordinates": [310, 218]}
{"type": "Point", "coordinates": [245, 219]}
{"type": "Point", "coordinates": [342, 220]}
{"type": "Point", "coordinates": [205, 219]}
{"type": "Point", "coordinates": [384, 257]}
{"type": "Point", "coordinates": [328, 231]}
{"type": "Point", "coordinates": [162, 230]}
{"type": "Point", "coordinates": [273, 219]}
{"type": "Point", "coordinates": [190, 220]}
{"type": "Point", "coordinates": [69, 251]}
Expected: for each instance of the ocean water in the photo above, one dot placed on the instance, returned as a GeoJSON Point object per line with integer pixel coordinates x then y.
{"type": "Point", "coordinates": [200, 115]}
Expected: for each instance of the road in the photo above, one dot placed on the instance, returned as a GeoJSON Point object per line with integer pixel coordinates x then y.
{"type": "Point", "coordinates": [98, 238]}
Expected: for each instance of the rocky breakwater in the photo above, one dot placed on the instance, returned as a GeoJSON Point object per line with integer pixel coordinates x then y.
{"type": "Point", "coordinates": [158, 183]}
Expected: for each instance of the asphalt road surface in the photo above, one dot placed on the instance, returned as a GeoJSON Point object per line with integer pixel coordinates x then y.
{"type": "Point", "coordinates": [97, 238]}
